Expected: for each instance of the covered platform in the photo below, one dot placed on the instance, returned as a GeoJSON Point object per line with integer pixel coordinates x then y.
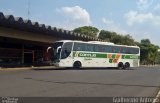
{"type": "Point", "coordinates": [24, 42]}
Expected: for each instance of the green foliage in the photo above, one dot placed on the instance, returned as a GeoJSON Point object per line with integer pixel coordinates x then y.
{"type": "Point", "coordinates": [105, 35]}
{"type": "Point", "coordinates": [148, 52]}
{"type": "Point", "coordinates": [145, 41]}
{"type": "Point", "coordinates": [158, 58]}
{"type": "Point", "coordinates": [87, 30]}
{"type": "Point", "coordinates": [116, 38]}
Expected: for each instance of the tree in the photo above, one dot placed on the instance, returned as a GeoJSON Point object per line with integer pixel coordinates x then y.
{"type": "Point", "coordinates": [87, 30]}
{"type": "Point", "coordinates": [145, 41]}
{"type": "Point", "coordinates": [152, 53]}
{"type": "Point", "coordinates": [148, 52]}
{"type": "Point", "coordinates": [128, 40]}
{"type": "Point", "coordinates": [105, 35]}
{"type": "Point", "coordinates": [157, 61]}
{"type": "Point", "coordinates": [116, 38]}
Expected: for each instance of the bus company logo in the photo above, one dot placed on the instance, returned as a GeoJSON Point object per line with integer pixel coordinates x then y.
{"type": "Point", "coordinates": [87, 55]}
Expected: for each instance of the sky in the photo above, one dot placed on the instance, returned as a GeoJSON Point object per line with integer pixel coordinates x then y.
{"type": "Point", "coordinates": [139, 18]}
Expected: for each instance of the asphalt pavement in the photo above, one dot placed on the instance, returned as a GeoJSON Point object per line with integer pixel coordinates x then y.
{"type": "Point", "coordinates": [91, 82]}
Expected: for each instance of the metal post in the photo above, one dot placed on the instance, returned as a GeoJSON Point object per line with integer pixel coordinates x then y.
{"type": "Point", "coordinates": [22, 54]}
{"type": "Point", "coordinates": [33, 56]}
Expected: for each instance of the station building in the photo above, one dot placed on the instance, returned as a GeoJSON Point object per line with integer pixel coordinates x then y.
{"type": "Point", "coordinates": [24, 42]}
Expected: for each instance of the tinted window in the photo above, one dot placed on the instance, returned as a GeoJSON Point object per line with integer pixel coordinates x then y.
{"type": "Point", "coordinates": [116, 49]}
{"type": "Point", "coordinates": [96, 48]}
{"type": "Point", "coordinates": [133, 50]}
{"type": "Point", "coordinates": [104, 48]}
{"type": "Point", "coordinates": [136, 50]}
{"type": "Point", "coordinates": [79, 47]}
{"type": "Point", "coordinates": [108, 48]}
{"type": "Point", "coordinates": [89, 47]}
{"type": "Point", "coordinates": [123, 50]}
{"type": "Point", "coordinates": [99, 48]}
{"type": "Point", "coordinates": [119, 49]}
{"type": "Point", "coordinates": [129, 50]}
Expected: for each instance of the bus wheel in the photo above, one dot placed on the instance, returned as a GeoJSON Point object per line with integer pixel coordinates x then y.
{"type": "Point", "coordinates": [77, 65]}
{"type": "Point", "coordinates": [127, 65]}
{"type": "Point", "coordinates": [120, 65]}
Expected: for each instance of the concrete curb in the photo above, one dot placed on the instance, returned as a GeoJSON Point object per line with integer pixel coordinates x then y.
{"type": "Point", "coordinates": [149, 66]}
{"type": "Point", "coordinates": [13, 69]}
{"type": "Point", "coordinates": [43, 67]}
{"type": "Point", "coordinates": [27, 68]}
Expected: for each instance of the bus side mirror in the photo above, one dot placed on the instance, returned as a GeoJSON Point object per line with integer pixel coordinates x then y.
{"type": "Point", "coordinates": [48, 49]}
{"type": "Point", "coordinates": [58, 49]}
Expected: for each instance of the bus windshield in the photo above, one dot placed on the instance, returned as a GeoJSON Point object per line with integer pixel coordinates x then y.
{"type": "Point", "coordinates": [66, 50]}
{"type": "Point", "coordinates": [56, 49]}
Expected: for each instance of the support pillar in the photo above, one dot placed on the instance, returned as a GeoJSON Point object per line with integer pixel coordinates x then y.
{"type": "Point", "coordinates": [22, 54]}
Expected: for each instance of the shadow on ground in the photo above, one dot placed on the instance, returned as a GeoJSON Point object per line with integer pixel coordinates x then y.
{"type": "Point", "coordinates": [91, 83]}
{"type": "Point", "coordinates": [80, 69]}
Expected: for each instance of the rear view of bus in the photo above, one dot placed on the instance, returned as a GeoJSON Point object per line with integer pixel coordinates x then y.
{"type": "Point", "coordinates": [80, 54]}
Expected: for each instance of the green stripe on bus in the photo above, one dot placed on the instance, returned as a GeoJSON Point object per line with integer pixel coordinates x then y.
{"type": "Point", "coordinates": [130, 57]}
{"type": "Point", "coordinates": [92, 55]}
{"type": "Point", "coordinates": [102, 55]}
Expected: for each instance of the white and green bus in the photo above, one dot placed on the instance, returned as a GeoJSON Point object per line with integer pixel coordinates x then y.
{"type": "Point", "coordinates": [79, 54]}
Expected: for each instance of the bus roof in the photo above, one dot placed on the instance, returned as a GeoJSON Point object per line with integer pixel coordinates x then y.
{"type": "Point", "coordinates": [96, 42]}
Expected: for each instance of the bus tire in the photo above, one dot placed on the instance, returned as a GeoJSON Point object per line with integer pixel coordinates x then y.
{"type": "Point", "coordinates": [120, 65]}
{"type": "Point", "coordinates": [77, 65]}
{"type": "Point", "coordinates": [127, 65]}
